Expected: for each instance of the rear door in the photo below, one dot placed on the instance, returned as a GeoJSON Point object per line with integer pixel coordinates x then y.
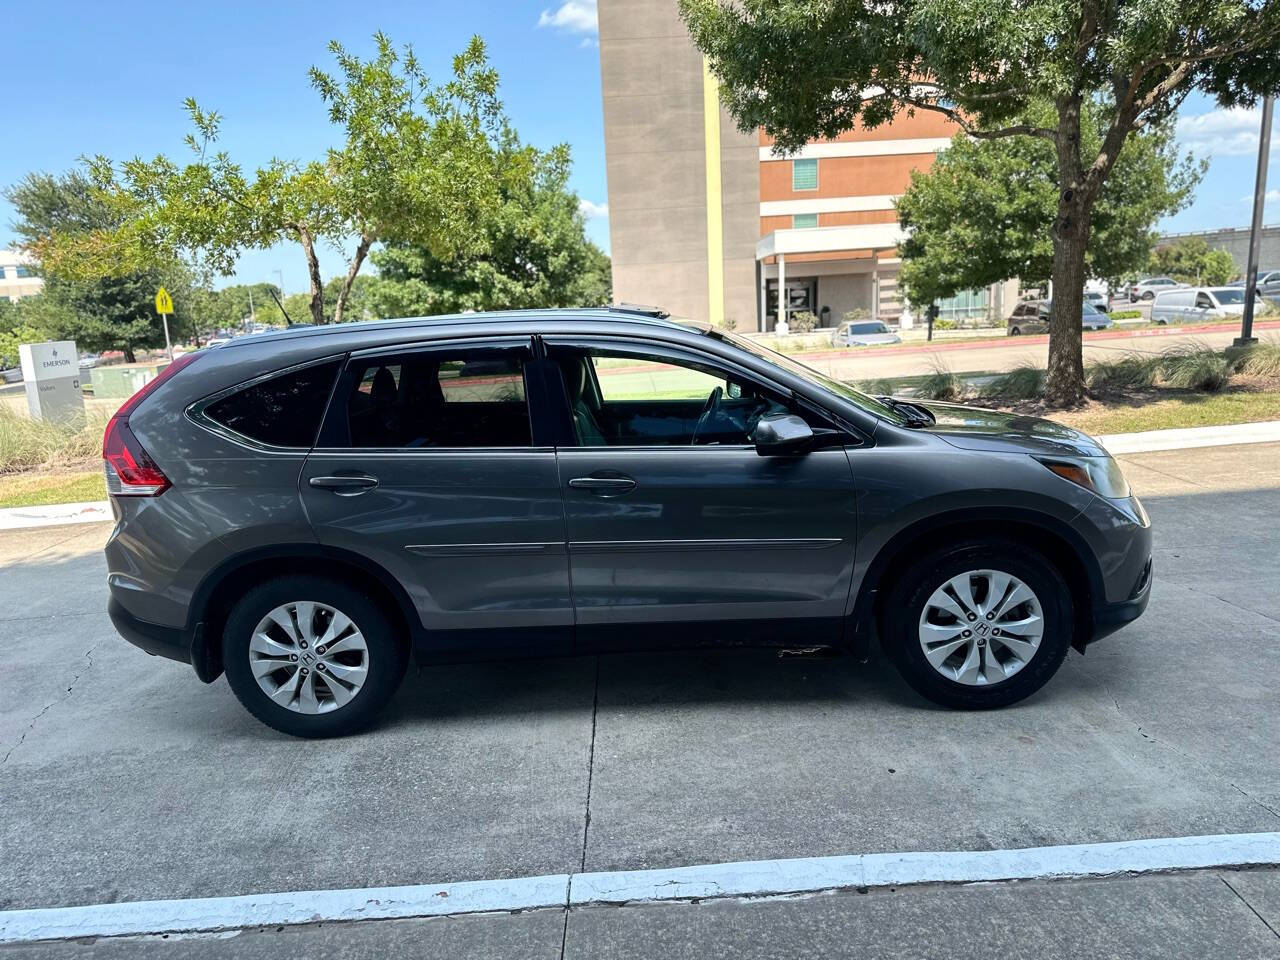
{"type": "Point", "coordinates": [428, 465]}
{"type": "Point", "coordinates": [678, 530]}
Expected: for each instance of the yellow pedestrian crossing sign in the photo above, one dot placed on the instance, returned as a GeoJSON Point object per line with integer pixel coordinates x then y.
{"type": "Point", "coordinates": [164, 302]}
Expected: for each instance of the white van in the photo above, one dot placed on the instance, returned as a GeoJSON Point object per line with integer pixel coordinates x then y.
{"type": "Point", "coordinates": [1188, 304]}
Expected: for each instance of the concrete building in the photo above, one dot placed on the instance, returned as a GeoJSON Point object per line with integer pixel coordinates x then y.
{"type": "Point", "coordinates": [707, 222]}
{"type": "Point", "coordinates": [17, 276]}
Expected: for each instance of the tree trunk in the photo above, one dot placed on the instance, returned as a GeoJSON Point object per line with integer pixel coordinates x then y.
{"type": "Point", "coordinates": [313, 271]}
{"type": "Point", "coordinates": [129, 355]}
{"type": "Point", "coordinates": [362, 250]}
{"type": "Point", "coordinates": [1064, 384]}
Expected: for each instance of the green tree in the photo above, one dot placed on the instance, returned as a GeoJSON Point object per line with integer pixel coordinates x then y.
{"type": "Point", "coordinates": [981, 214]}
{"type": "Point", "coordinates": [536, 254]}
{"type": "Point", "coordinates": [417, 164]}
{"type": "Point", "coordinates": [804, 70]}
{"type": "Point", "coordinates": [1189, 260]}
{"type": "Point", "coordinates": [111, 310]}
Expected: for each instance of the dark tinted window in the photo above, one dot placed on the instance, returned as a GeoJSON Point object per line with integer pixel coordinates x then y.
{"type": "Point", "coordinates": [283, 411]}
{"type": "Point", "coordinates": [440, 398]}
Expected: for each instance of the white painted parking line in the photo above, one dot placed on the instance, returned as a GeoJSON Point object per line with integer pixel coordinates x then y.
{"type": "Point", "coordinates": [755, 878]}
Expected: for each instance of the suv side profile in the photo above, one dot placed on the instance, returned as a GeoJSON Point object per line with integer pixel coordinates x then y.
{"type": "Point", "coordinates": [307, 510]}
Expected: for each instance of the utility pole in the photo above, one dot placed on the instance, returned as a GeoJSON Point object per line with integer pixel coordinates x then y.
{"type": "Point", "coordinates": [1255, 235]}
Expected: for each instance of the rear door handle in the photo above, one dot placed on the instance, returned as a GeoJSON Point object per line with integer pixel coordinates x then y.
{"type": "Point", "coordinates": [349, 486]}
{"type": "Point", "coordinates": [603, 484]}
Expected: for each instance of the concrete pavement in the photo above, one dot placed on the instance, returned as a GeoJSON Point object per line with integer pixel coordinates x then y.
{"type": "Point", "coordinates": [123, 778]}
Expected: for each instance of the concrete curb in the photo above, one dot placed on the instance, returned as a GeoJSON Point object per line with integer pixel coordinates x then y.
{"type": "Point", "coordinates": [755, 878]}
{"type": "Point", "coordinates": [17, 518]}
{"type": "Point", "coordinates": [1185, 438]}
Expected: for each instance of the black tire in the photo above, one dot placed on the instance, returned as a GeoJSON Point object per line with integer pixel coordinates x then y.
{"type": "Point", "coordinates": [1014, 332]}
{"type": "Point", "coordinates": [387, 655]}
{"type": "Point", "coordinates": [1148, 295]}
{"type": "Point", "coordinates": [904, 605]}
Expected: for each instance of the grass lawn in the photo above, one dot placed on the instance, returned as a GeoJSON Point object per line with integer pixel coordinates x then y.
{"type": "Point", "coordinates": [33, 488]}
{"type": "Point", "coordinates": [1179, 410]}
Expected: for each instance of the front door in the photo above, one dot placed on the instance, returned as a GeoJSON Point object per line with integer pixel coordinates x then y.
{"type": "Point", "coordinates": [427, 466]}
{"type": "Point", "coordinates": [677, 528]}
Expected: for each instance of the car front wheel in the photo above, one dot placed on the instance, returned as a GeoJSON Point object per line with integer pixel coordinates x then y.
{"type": "Point", "coordinates": [312, 657]}
{"type": "Point", "coordinates": [978, 625]}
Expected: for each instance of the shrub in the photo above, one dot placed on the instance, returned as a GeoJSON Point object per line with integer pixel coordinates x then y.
{"type": "Point", "coordinates": [941, 384]}
{"type": "Point", "coordinates": [803, 322]}
{"type": "Point", "coordinates": [729, 323]}
{"type": "Point", "coordinates": [944, 324]}
{"type": "Point", "coordinates": [1125, 314]}
{"type": "Point", "coordinates": [1259, 360]}
{"type": "Point", "coordinates": [1131, 372]}
{"type": "Point", "coordinates": [878, 388]}
{"type": "Point", "coordinates": [1023, 382]}
{"type": "Point", "coordinates": [1195, 366]}
{"type": "Point", "coordinates": [853, 316]}
{"type": "Point", "coordinates": [25, 442]}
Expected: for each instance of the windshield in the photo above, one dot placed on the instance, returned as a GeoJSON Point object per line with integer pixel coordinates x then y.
{"type": "Point", "coordinates": [868, 328]}
{"type": "Point", "coordinates": [816, 377]}
{"type": "Point", "coordinates": [1226, 295]}
{"type": "Point", "coordinates": [1090, 310]}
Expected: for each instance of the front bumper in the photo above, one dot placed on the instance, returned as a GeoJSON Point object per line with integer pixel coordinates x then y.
{"type": "Point", "coordinates": [1110, 617]}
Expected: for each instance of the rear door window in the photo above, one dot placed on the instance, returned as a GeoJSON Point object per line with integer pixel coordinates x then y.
{"type": "Point", "coordinates": [279, 411]}
{"type": "Point", "coordinates": [463, 397]}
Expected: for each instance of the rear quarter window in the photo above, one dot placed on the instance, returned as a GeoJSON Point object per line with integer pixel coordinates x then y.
{"type": "Point", "coordinates": [281, 411]}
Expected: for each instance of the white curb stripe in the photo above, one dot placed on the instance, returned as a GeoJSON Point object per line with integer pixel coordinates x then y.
{"type": "Point", "coordinates": [17, 518]}
{"type": "Point", "coordinates": [746, 879]}
{"type": "Point", "coordinates": [1182, 438]}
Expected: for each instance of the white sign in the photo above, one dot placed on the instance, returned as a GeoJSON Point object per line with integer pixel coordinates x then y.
{"type": "Point", "coordinates": [51, 372]}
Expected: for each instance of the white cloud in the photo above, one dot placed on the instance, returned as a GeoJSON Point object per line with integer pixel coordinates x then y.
{"type": "Point", "coordinates": [1223, 133]}
{"type": "Point", "coordinates": [592, 210]}
{"type": "Point", "coordinates": [1273, 196]}
{"type": "Point", "coordinates": [573, 16]}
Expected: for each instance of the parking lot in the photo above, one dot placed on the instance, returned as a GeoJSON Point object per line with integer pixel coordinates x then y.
{"type": "Point", "coordinates": [123, 778]}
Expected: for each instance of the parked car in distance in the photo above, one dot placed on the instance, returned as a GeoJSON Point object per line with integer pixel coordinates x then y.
{"type": "Point", "coordinates": [863, 333]}
{"type": "Point", "coordinates": [1198, 303]}
{"type": "Point", "coordinates": [1148, 288]}
{"type": "Point", "coordinates": [1100, 301]}
{"type": "Point", "coordinates": [1032, 316]}
{"type": "Point", "coordinates": [88, 361]}
{"type": "Point", "coordinates": [309, 508]}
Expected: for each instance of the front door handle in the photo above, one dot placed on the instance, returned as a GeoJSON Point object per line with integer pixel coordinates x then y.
{"type": "Point", "coordinates": [348, 486]}
{"type": "Point", "coordinates": [603, 485]}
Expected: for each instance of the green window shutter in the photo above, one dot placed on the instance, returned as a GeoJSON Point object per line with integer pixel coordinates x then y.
{"type": "Point", "coordinates": [804, 174]}
{"type": "Point", "coordinates": [802, 221]}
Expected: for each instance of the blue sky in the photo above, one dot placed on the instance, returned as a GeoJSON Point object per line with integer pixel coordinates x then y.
{"type": "Point", "coordinates": [93, 77]}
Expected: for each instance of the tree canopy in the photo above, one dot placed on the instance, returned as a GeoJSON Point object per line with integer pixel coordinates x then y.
{"type": "Point", "coordinates": [535, 254]}
{"type": "Point", "coordinates": [1190, 260]}
{"type": "Point", "coordinates": [805, 70]}
{"type": "Point", "coordinates": [419, 163]}
{"type": "Point", "coordinates": [981, 214]}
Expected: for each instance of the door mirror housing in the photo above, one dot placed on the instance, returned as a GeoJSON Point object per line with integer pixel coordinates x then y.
{"type": "Point", "coordinates": [782, 434]}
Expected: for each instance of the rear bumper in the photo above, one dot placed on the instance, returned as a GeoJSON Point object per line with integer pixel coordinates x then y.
{"type": "Point", "coordinates": [174, 643]}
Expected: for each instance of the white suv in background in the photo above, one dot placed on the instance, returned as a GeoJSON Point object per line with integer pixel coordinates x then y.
{"type": "Point", "coordinates": [1148, 288]}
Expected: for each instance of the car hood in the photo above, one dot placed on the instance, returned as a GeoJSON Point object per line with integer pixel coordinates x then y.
{"type": "Point", "coordinates": [973, 428]}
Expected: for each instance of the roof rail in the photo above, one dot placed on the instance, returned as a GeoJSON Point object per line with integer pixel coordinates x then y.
{"type": "Point", "coordinates": [639, 308]}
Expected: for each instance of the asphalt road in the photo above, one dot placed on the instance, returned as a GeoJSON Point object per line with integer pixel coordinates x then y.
{"type": "Point", "coordinates": [124, 778]}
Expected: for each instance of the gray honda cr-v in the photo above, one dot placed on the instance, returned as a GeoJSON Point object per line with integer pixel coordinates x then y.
{"type": "Point", "coordinates": [306, 509]}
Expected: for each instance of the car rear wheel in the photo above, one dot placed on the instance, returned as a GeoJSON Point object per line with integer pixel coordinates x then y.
{"type": "Point", "coordinates": [978, 625]}
{"type": "Point", "coordinates": [1014, 332]}
{"type": "Point", "coordinates": [1148, 295]}
{"type": "Point", "coordinates": [312, 657]}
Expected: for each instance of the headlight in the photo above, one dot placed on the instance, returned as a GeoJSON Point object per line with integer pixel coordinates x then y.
{"type": "Point", "coordinates": [1102, 475]}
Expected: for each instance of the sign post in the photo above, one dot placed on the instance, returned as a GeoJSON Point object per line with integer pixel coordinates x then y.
{"type": "Point", "coordinates": [51, 372]}
{"type": "Point", "coordinates": [164, 307]}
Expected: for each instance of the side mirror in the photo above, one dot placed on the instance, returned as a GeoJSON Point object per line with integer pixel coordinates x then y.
{"type": "Point", "coordinates": [781, 434]}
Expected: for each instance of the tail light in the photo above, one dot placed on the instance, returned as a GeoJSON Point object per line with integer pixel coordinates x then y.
{"type": "Point", "coordinates": [129, 468]}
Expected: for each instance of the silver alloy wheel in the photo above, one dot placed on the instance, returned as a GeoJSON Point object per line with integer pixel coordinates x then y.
{"type": "Point", "coordinates": [309, 657]}
{"type": "Point", "coordinates": [981, 627]}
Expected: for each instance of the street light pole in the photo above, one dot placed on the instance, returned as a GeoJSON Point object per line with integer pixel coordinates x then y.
{"type": "Point", "coordinates": [1255, 235]}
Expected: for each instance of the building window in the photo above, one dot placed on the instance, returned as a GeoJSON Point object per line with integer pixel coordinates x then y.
{"type": "Point", "coordinates": [1, 273]}
{"type": "Point", "coordinates": [25, 272]}
{"type": "Point", "coordinates": [966, 305]}
{"type": "Point", "coordinates": [804, 174]}
{"type": "Point", "coordinates": [803, 221]}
